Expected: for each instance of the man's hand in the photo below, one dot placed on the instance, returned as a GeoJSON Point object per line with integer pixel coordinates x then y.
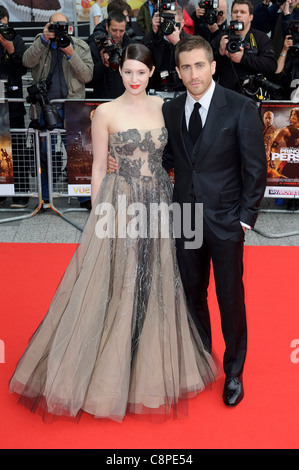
{"type": "Point", "coordinates": [111, 163]}
{"type": "Point", "coordinates": [175, 36]}
{"type": "Point", "coordinates": [104, 57]}
{"type": "Point", "coordinates": [222, 45]}
{"type": "Point", "coordinates": [47, 35]}
{"type": "Point", "coordinates": [213, 27]}
{"type": "Point", "coordinates": [236, 56]}
{"type": "Point", "coordinates": [156, 22]}
{"type": "Point", "coordinates": [285, 8]}
{"type": "Point", "coordinates": [199, 12]}
{"type": "Point", "coordinates": [69, 50]}
{"type": "Point", "coordinates": [7, 45]}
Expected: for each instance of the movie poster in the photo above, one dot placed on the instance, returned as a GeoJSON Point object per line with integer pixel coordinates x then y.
{"type": "Point", "coordinates": [79, 116]}
{"type": "Point", "coordinates": [6, 165]}
{"type": "Point", "coordinates": [281, 137]}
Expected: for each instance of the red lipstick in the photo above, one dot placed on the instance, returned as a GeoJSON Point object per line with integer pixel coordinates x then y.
{"type": "Point", "coordinates": [134, 86]}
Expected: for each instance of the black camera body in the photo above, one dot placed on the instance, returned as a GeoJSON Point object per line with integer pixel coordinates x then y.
{"type": "Point", "coordinates": [211, 12]}
{"type": "Point", "coordinates": [234, 42]}
{"type": "Point", "coordinates": [168, 24]}
{"type": "Point", "coordinates": [253, 83]}
{"type": "Point", "coordinates": [106, 43]}
{"type": "Point", "coordinates": [7, 32]}
{"type": "Point", "coordinates": [293, 30]}
{"type": "Point", "coordinates": [61, 30]}
{"type": "Point", "coordinates": [38, 93]}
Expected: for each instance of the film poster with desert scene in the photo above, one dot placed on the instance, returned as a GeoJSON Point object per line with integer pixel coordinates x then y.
{"type": "Point", "coordinates": [281, 137]}
{"type": "Point", "coordinates": [6, 160]}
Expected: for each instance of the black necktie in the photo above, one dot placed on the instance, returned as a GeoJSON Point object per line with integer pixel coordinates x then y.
{"type": "Point", "coordinates": [195, 124]}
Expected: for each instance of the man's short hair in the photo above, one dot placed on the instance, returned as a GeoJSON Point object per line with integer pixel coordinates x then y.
{"type": "Point", "coordinates": [118, 5]}
{"type": "Point", "coordinates": [116, 16]}
{"type": "Point", "coordinates": [189, 43]}
{"type": "Point", "coordinates": [3, 13]}
{"type": "Point", "coordinates": [244, 2]}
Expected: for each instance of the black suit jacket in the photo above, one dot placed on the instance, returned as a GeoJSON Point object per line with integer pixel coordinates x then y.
{"type": "Point", "coordinates": [228, 171]}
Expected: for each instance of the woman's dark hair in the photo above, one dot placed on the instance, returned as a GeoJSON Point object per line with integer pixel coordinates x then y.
{"type": "Point", "coordinates": [137, 52]}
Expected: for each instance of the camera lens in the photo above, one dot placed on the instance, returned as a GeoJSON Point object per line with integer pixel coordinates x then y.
{"type": "Point", "coordinates": [63, 40]}
{"type": "Point", "coordinates": [233, 46]}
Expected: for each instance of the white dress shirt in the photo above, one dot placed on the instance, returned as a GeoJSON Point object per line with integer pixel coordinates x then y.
{"type": "Point", "coordinates": [205, 102]}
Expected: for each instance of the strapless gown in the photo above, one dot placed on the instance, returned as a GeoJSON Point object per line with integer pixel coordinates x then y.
{"type": "Point", "coordinates": [118, 337]}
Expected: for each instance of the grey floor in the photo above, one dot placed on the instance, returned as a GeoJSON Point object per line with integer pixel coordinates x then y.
{"type": "Point", "coordinates": [63, 223]}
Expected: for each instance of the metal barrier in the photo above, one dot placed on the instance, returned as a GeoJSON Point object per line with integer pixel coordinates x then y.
{"type": "Point", "coordinates": [29, 163]}
{"type": "Point", "coordinates": [57, 173]}
{"type": "Point", "coordinates": [26, 169]}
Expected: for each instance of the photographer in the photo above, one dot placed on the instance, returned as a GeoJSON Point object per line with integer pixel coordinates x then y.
{"type": "Point", "coordinates": [248, 52]}
{"type": "Point", "coordinates": [287, 71]}
{"type": "Point", "coordinates": [145, 15]}
{"type": "Point", "coordinates": [167, 30]}
{"type": "Point", "coordinates": [106, 50]}
{"type": "Point", "coordinates": [12, 48]}
{"type": "Point", "coordinates": [204, 21]}
{"type": "Point", "coordinates": [65, 64]}
{"type": "Point", "coordinates": [273, 18]}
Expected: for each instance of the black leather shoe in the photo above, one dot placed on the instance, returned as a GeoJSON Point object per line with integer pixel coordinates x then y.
{"type": "Point", "coordinates": [233, 391]}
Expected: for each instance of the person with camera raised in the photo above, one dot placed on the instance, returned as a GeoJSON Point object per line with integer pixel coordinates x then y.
{"type": "Point", "coordinates": [167, 30]}
{"type": "Point", "coordinates": [12, 48]}
{"type": "Point", "coordinates": [241, 51]}
{"type": "Point", "coordinates": [272, 17]}
{"type": "Point", "coordinates": [209, 21]}
{"type": "Point", "coordinates": [106, 52]}
{"type": "Point", "coordinates": [64, 65]}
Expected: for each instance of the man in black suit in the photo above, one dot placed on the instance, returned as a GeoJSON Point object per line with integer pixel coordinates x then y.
{"type": "Point", "coordinates": [224, 168]}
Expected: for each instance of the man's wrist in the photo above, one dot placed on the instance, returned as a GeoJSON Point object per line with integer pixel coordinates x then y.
{"type": "Point", "coordinates": [44, 41]}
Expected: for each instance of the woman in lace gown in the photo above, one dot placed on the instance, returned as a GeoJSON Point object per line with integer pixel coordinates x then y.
{"type": "Point", "coordinates": [117, 337]}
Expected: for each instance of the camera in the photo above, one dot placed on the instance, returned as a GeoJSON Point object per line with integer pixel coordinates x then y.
{"type": "Point", "coordinates": [62, 31]}
{"type": "Point", "coordinates": [211, 12]}
{"type": "Point", "coordinates": [293, 30]}
{"type": "Point", "coordinates": [7, 32]}
{"type": "Point", "coordinates": [106, 43]}
{"type": "Point", "coordinates": [258, 86]}
{"type": "Point", "coordinates": [38, 93]}
{"type": "Point", "coordinates": [168, 24]}
{"type": "Point", "coordinates": [234, 41]}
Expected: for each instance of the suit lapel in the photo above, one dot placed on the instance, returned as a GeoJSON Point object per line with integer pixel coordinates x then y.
{"type": "Point", "coordinates": [180, 124]}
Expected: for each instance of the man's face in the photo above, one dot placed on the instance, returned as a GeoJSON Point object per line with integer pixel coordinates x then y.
{"type": "Point", "coordinates": [240, 12]}
{"type": "Point", "coordinates": [116, 30]}
{"type": "Point", "coordinates": [223, 7]}
{"type": "Point", "coordinates": [4, 20]}
{"type": "Point", "coordinates": [294, 119]}
{"type": "Point", "coordinates": [268, 118]}
{"type": "Point", "coordinates": [196, 72]}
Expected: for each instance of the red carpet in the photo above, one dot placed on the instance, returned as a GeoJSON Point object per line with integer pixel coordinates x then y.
{"type": "Point", "coordinates": [268, 415]}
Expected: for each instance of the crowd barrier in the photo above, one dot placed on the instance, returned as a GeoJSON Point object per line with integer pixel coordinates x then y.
{"type": "Point", "coordinates": [66, 149]}
{"type": "Point", "coordinates": [25, 165]}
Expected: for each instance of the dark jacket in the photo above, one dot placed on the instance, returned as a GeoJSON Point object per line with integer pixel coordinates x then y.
{"type": "Point", "coordinates": [163, 55]}
{"type": "Point", "coordinates": [258, 58]}
{"type": "Point", "coordinates": [106, 83]}
{"type": "Point", "coordinates": [270, 19]}
{"type": "Point", "coordinates": [12, 70]}
{"type": "Point", "coordinates": [226, 169]}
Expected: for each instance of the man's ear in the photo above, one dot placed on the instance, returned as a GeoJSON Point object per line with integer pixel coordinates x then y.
{"type": "Point", "coordinates": [178, 71]}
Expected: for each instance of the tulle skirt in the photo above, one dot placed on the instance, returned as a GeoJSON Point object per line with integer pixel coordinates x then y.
{"type": "Point", "coordinates": [118, 337]}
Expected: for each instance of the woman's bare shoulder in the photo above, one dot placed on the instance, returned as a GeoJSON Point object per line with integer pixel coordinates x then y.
{"type": "Point", "coordinates": [157, 100]}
